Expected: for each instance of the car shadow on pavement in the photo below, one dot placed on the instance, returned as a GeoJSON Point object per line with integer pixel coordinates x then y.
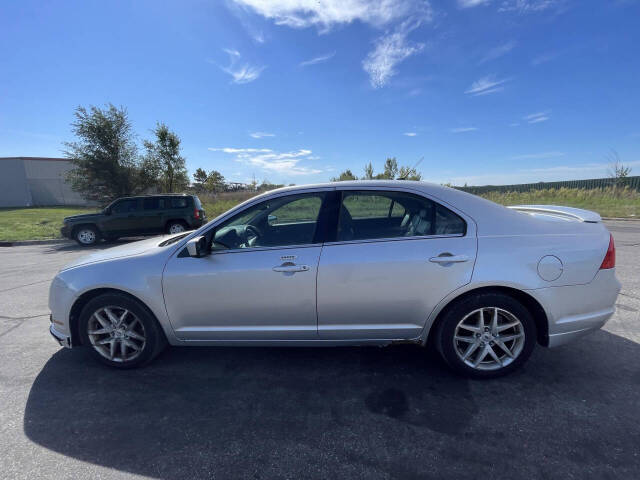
{"type": "Point", "coordinates": [345, 412]}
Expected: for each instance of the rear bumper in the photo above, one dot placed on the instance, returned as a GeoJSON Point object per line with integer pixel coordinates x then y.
{"type": "Point", "coordinates": [575, 310]}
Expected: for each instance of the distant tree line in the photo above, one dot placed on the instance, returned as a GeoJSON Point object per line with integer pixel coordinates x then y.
{"type": "Point", "coordinates": [391, 171]}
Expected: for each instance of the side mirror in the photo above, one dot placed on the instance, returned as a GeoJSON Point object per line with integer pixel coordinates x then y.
{"type": "Point", "coordinates": [271, 219]}
{"type": "Point", "coordinates": [197, 247]}
{"type": "Point", "coordinates": [107, 211]}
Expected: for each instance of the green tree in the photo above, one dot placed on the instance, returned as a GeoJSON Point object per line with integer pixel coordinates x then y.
{"type": "Point", "coordinates": [346, 175]}
{"type": "Point", "coordinates": [215, 182]}
{"type": "Point", "coordinates": [390, 170]}
{"type": "Point", "coordinates": [104, 156]}
{"type": "Point", "coordinates": [199, 179]}
{"type": "Point", "coordinates": [368, 172]}
{"type": "Point", "coordinates": [163, 156]}
{"type": "Point", "coordinates": [409, 173]}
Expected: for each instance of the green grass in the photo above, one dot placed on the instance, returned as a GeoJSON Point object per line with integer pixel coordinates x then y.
{"type": "Point", "coordinates": [33, 223]}
{"type": "Point", "coordinates": [44, 223]}
{"type": "Point", "coordinates": [623, 203]}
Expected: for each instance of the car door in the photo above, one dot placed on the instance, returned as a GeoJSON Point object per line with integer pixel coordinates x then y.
{"type": "Point", "coordinates": [259, 282]}
{"type": "Point", "coordinates": [123, 218]}
{"type": "Point", "coordinates": [396, 254]}
{"type": "Point", "coordinates": [151, 217]}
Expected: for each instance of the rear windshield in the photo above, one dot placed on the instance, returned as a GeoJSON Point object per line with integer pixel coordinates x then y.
{"type": "Point", "coordinates": [197, 203]}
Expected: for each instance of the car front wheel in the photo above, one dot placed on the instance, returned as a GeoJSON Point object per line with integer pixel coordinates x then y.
{"type": "Point", "coordinates": [486, 336]}
{"type": "Point", "coordinates": [86, 235]}
{"type": "Point", "coordinates": [120, 331]}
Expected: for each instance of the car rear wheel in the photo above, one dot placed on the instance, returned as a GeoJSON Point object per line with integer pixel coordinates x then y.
{"type": "Point", "coordinates": [176, 227]}
{"type": "Point", "coordinates": [120, 331]}
{"type": "Point", "coordinates": [486, 336]}
{"type": "Point", "coordinates": [86, 235]}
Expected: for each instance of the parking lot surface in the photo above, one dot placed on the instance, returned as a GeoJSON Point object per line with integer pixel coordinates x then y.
{"type": "Point", "coordinates": [395, 412]}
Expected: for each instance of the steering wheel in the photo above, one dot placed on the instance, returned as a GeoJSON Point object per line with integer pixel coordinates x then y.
{"type": "Point", "coordinates": [251, 229]}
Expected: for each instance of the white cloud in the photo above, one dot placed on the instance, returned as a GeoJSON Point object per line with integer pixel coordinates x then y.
{"type": "Point", "coordinates": [463, 129]}
{"type": "Point", "coordinates": [537, 117]}
{"type": "Point", "coordinates": [325, 14]}
{"type": "Point", "coordinates": [471, 3]}
{"type": "Point", "coordinates": [410, 134]}
{"type": "Point", "coordinates": [286, 163]}
{"type": "Point", "coordinates": [389, 51]}
{"type": "Point", "coordinates": [240, 73]}
{"type": "Point", "coordinates": [498, 51]}
{"type": "Point", "coordinates": [514, 124]}
{"type": "Point", "coordinates": [318, 59]}
{"type": "Point", "coordinates": [531, 6]}
{"type": "Point", "coordinates": [261, 134]}
{"type": "Point", "coordinates": [486, 85]}
{"type": "Point", "coordinates": [538, 156]}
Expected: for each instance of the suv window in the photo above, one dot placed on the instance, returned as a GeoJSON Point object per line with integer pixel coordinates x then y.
{"type": "Point", "coordinates": [281, 221]}
{"type": "Point", "coordinates": [373, 214]}
{"type": "Point", "coordinates": [153, 203]}
{"type": "Point", "coordinates": [177, 202]}
{"type": "Point", "coordinates": [125, 206]}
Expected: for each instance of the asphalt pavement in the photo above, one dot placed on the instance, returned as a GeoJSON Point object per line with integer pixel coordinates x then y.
{"type": "Point", "coordinates": [393, 412]}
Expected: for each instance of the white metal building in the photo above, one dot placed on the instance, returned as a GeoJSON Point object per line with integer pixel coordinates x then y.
{"type": "Point", "coordinates": [36, 181]}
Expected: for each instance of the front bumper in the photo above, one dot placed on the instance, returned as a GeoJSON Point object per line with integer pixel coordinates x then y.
{"type": "Point", "coordinates": [60, 338]}
{"type": "Point", "coordinates": [65, 231]}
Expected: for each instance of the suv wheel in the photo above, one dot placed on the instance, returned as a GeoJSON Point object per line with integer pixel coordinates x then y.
{"type": "Point", "coordinates": [120, 331]}
{"type": "Point", "coordinates": [86, 235]}
{"type": "Point", "coordinates": [176, 227]}
{"type": "Point", "coordinates": [486, 336]}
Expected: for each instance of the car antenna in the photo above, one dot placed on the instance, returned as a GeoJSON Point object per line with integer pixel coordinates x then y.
{"type": "Point", "coordinates": [412, 168]}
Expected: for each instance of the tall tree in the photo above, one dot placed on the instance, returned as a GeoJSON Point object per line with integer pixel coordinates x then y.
{"type": "Point", "coordinates": [390, 169]}
{"type": "Point", "coordinates": [215, 182]}
{"type": "Point", "coordinates": [199, 179]}
{"type": "Point", "coordinates": [164, 154]}
{"type": "Point", "coordinates": [346, 175]}
{"type": "Point", "coordinates": [368, 172]}
{"type": "Point", "coordinates": [104, 156]}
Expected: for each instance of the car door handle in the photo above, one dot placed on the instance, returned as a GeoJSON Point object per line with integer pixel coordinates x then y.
{"type": "Point", "coordinates": [449, 259]}
{"type": "Point", "coordinates": [291, 268]}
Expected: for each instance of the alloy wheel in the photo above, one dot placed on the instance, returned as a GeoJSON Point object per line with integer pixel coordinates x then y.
{"type": "Point", "coordinates": [116, 333]}
{"type": "Point", "coordinates": [176, 228]}
{"type": "Point", "coordinates": [86, 236]}
{"type": "Point", "coordinates": [489, 338]}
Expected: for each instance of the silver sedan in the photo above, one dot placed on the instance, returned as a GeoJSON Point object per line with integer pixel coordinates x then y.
{"type": "Point", "coordinates": [350, 263]}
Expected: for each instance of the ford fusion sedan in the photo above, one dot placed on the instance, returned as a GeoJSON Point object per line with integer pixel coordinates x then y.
{"type": "Point", "coordinates": [350, 263]}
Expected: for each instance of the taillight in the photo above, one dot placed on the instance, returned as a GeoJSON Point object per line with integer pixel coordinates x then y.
{"type": "Point", "coordinates": [610, 258]}
{"type": "Point", "coordinates": [196, 213]}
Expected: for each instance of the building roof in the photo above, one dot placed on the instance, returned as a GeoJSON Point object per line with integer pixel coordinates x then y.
{"type": "Point", "coordinates": [49, 159]}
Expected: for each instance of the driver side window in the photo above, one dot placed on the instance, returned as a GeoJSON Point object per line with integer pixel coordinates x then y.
{"type": "Point", "coordinates": [277, 222]}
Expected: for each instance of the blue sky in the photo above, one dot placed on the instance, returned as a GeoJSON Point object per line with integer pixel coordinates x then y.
{"type": "Point", "coordinates": [294, 91]}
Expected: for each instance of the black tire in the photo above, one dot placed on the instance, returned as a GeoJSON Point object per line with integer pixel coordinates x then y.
{"type": "Point", "coordinates": [177, 223]}
{"type": "Point", "coordinates": [155, 340]}
{"type": "Point", "coordinates": [447, 325]}
{"type": "Point", "coordinates": [86, 235]}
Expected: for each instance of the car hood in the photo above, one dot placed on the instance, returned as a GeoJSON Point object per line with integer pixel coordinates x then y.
{"type": "Point", "coordinates": [126, 250]}
{"type": "Point", "coordinates": [83, 216]}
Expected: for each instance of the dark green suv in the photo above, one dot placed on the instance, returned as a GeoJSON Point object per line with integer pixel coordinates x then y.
{"type": "Point", "coordinates": [132, 216]}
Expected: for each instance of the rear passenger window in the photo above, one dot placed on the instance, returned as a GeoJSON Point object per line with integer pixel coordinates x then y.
{"type": "Point", "coordinates": [372, 214]}
{"type": "Point", "coordinates": [151, 204]}
{"type": "Point", "coordinates": [177, 202]}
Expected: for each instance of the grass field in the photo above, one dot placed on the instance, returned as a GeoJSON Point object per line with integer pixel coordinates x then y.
{"type": "Point", "coordinates": [33, 223]}
{"type": "Point", "coordinates": [44, 223]}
